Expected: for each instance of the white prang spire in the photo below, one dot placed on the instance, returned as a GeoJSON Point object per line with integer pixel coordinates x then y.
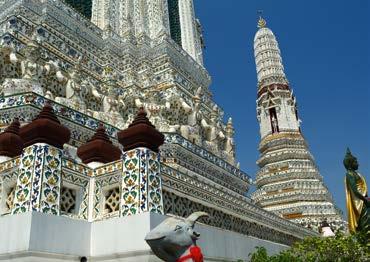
{"type": "Point", "coordinates": [269, 64]}
{"type": "Point", "coordinates": [288, 181]}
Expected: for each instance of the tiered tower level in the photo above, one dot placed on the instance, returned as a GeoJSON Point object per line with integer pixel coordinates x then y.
{"type": "Point", "coordinates": [288, 182]}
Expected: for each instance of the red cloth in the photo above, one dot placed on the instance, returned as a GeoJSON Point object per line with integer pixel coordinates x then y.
{"type": "Point", "coordinates": [195, 254]}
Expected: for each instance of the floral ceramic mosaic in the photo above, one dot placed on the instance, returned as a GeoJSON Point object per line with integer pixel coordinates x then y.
{"type": "Point", "coordinates": [141, 185]}
{"type": "Point", "coordinates": [38, 183]}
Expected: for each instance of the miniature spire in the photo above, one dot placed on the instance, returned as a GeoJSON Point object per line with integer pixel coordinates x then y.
{"type": "Point", "coordinates": [261, 22]}
{"type": "Point", "coordinates": [229, 124]}
{"type": "Point", "coordinates": [141, 133]}
{"type": "Point", "coordinates": [99, 148]}
{"type": "Point", "coordinates": [11, 144]}
{"type": "Point", "coordinates": [230, 121]}
{"type": "Point", "coordinates": [45, 128]}
{"type": "Point", "coordinates": [230, 127]}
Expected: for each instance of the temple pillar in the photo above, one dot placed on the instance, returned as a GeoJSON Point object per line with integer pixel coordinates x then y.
{"type": "Point", "coordinates": [141, 188]}
{"type": "Point", "coordinates": [39, 177]}
{"type": "Point", "coordinates": [38, 183]}
{"type": "Point", "coordinates": [141, 182]}
{"type": "Point", "coordinates": [98, 151]}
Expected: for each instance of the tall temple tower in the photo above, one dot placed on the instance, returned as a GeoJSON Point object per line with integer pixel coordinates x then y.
{"type": "Point", "coordinates": [145, 20]}
{"type": "Point", "coordinates": [288, 182]}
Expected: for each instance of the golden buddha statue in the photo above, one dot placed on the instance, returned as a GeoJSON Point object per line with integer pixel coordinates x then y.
{"type": "Point", "coordinates": [356, 194]}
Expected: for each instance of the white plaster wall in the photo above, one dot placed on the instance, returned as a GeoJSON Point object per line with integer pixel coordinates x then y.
{"type": "Point", "coordinates": [15, 233]}
{"type": "Point", "coordinates": [40, 237]}
{"type": "Point", "coordinates": [62, 235]}
{"type": "Point", "coordinates": [120, 235]}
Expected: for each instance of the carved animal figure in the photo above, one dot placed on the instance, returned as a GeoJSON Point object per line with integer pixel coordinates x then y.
{"type": "Point", "coordinates": [175, 239]}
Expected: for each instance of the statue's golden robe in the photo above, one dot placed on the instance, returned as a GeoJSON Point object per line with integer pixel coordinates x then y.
{"type": "Point", "coordinates": [354, 203]}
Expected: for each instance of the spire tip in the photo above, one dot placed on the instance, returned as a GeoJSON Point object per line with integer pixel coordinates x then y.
{"type": "Point", "coordinates": [261, 22]}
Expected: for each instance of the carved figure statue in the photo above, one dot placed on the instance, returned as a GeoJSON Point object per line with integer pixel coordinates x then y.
{"type": "Point", "coordinates": [191, 130]}
{"type": "Point", "coordinates": [75, 87]}
{"type": "Point", "coordinates": [229, 146]}
{"type": "Point", "coordinates": [170, 97]}
{"type": "Point", "coordinates": [213, 131]}
{"type": "Point", "coordinates": [154, 109]}
{"type": "Point", "coordinates": [130, 95]}
{"type": "Point", "coordinates": [32, 68]}
{"type": "Point", "coordinates": [175, 239]}
{"type": "Point", "coordinates": [111, 101]}
{"type": "Point", "coordinates": [358, 203]}
{"type": "Point", "coordinates": [274, 124]}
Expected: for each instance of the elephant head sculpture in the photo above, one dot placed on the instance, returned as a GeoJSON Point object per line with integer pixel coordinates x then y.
{"type": "Point", "coordinates": [174, 237]}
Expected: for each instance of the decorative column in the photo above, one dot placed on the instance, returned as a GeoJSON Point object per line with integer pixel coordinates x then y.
{"type": "Point", "coordinates": [39, 178]}
{"type": "Point", "coordinates": [141, 181]}
{"type": "Point", "coordinates": [98, 151]}
{"type": "Point", "coordinates": [11, 144]}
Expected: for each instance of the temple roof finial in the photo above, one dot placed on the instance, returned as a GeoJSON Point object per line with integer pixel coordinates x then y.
{"type": "Point", "coordinates": [261, 22]}
{"type": "Point", "coordinates": [99, 148]}
{"type": "Point", "coordinates": [141, 133]}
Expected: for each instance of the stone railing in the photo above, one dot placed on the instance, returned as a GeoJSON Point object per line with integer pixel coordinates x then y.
{"type": "Point", "coordinates": [195, 192]}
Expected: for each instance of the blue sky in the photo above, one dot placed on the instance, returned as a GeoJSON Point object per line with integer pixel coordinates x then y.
{"type": "Point", "coordinates": [326, 53]}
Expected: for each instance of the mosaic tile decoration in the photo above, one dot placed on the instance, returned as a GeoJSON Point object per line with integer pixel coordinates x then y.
{"type": "Point", "coordinates": [154, 185]}
{"type": "Point", "coordinates": [15, 105]}
{"type": "Point", "coordinates": [10, 164]}
{"type": "Point", "coordinates": [97, 196]}
{"type": "Point", "coordinates": [51, 180]}
{"type": "Point", "coordinates": [35, 100]}
{"type": "Point", "coordinates": [38, 183]}
{"type": "Point", "coordinates": [24, 182]}
{"type": "Point", "coordinates": [6, 181]}
{"type": "Point", "coordinates": [141, 185]}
